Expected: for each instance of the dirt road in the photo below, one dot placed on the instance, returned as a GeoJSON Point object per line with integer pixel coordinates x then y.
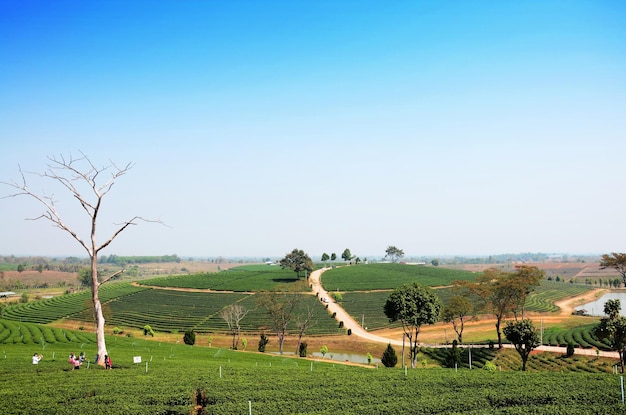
{"type": "Point", "coordinates": [349, 323]}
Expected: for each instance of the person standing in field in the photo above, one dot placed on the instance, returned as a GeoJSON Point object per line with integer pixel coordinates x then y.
{"type": "Point", "coordinates": [107, 362]}
{"type": "Point", "coordinates": [37, 358]}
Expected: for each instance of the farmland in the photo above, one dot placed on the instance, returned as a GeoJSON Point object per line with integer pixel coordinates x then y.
{"type": "Point", "coordinates": [171, 376]}
{"type": "Point", "coordinates": [389, 276]}
{"type": "Point", "coordinates": [230, 382]}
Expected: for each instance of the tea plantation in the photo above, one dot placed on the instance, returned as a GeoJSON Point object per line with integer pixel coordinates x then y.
{"type": "Point", "coordinates": [181, 379]}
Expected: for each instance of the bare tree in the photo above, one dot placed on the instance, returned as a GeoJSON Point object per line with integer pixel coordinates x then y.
{"type": "Point", "coordinates": [303, 322]}
{"type": "Point", "coordinates": [87, 184]}
{"type": "Point", "coordinates": [232, 315]}
{"type": "Point", "coordinates": [280, 309]}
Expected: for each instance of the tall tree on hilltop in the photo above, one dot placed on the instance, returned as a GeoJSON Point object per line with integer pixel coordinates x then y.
{"type": "Point", "coordinates": [297, 261]}
{"type": "Point", "coordinates": [325, 258]}
{"type": "Point", "coordinates": [346, 255]}
{"type": "Point", "coordinates": [88, 185]}
{"type": "Point", "coordinates": [394, 253]}
{"type": "Point", "coordinates": [616, 261]}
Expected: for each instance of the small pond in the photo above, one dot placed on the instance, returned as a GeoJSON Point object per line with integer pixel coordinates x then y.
{"type": "Point", "coordinates": [343, 357]}
{"type": "Point", "coordinates": [596, 308]}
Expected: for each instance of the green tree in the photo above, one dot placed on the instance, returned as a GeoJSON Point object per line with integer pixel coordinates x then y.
{"type": "Point", "coordinates": [616, 261]}
{"type": "Point", "coordinates": [346, 255]}
{"type": "Point", "coordinates": [325, 258]}
{"type": "Point", "coordinates": [84, 277]}
{"type": "Point", "coordinates": [324, 350]}
{"type": "Point", "coordinates": [413, 305]}
{"type": "Point", "coordinates": [297, 261]}
{"type": "Point", "coordinates": [613, 329]}
{"type": "Point", "coordinates": [20, 268]}
{"type": "Point", "coordinates": [503, 293]}
{"type": "Point", "coordinates": [88, 185]}
{"type": "Point", "coordinates": [435, 262]}
{"type": "Point", "coordinates": [455, 312]}
{"type": "Point", "coordinates": [389, 357]}
{"type": "Point", "coordinates": [333, 257]}
{"type": "Point", "coordinates": [524, 336]}
{"type": "Point", "coordinates": [394, 253]}
{"type": "Point", "coordinates": [189, 337]}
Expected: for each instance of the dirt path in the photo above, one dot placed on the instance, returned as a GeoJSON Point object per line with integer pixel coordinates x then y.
{"type": "Point", "coordinates": [395, 337]}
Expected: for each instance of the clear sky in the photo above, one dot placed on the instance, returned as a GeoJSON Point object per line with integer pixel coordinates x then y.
{"type": "Point", "coordinates": [256, 127]}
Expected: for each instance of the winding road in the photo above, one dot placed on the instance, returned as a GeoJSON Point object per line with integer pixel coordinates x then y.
{"type": "Point", "coordinates": [357, 330]}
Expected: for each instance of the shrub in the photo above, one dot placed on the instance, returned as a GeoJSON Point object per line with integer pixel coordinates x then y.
{"type": "Point", "coordinates": [116, 330]}
{"type": "Point", "coordinates": [341, 324]}
{"type": "Point", "coordinates": [389, 358]}
{"type": "Point", "coordinates": [263, 342]}
{"type": "Point", "coordinates": [489, 366]}
{"type": "Point", "coordinates": [302, 349]}
{"type": "Point", "coordinates": [570, 349]}
{"type": "Point", "coordinates": [324, 350]}
{"type": "Point", "coordinates": [334, 315]}
{"type": "Point", "coordinates": [244, 343]}
{"type": "Point", "coordinates": [369, 358]}
{"type": "Point", "coordinates": [148, 330]}
{"type": "Point", "coordinates": [189, 337]}
{"type": "Point", "coordinates": [349, 332]}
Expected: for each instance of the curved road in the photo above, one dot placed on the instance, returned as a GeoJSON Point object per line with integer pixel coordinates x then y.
{"type": "Point", "coordinates": [357, 330]}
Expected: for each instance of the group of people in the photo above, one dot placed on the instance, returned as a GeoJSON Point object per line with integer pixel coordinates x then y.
{"type": "Point", "coordinates": [76, 361]}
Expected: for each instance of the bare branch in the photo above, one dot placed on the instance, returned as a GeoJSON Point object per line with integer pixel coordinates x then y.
{"type": "Point", "coordinates": [110, 277]}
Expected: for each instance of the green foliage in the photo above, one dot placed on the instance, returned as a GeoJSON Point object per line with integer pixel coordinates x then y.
{"type": "Point", "coordinates": [394, 253]}
{"type": "Point", "coordinates": [189, 337]}
{"type": "Point", "coordinates": [570, 349]}
{"type": "Point", "coordinates": [489, 366]}
{"type": "Point", "coordinates": [302, 349]}
{"type": "Point", "coordinates": [263, 342]}
{"type": "Point", "coordinates": [389, 358]}
{"type": "Point", "coordinates": [346, 255]}
{"type": "Point", "coordinates": [147, 330]}
{"type": "Point", "coordinates": [324, 350]}
{"type": "Point", "coordinates": [297, 261]}
{"type": "Point", "coordinates": [524, 336]}
{"type": "Point", "coordinates": [180, 377]}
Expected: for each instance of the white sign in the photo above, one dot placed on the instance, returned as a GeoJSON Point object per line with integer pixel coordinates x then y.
{"type": "Point", "coordinates": [136, 359]}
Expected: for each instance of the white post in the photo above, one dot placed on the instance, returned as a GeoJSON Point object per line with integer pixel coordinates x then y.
{"type": "Point", "coordinates": [311, 366]}
{"type": "Point", "coordinates": [250, 407]}
{"type": "Point", "coordinates": [146, 367]}
{"type": "Point", "coordinates": [621, 385]}
{"type": "Point", "coordinates": [456, 367]}
{"type": "Point", "coordinates": [470, 356]}
{"type": "Point", "coordinates": [220, 372]}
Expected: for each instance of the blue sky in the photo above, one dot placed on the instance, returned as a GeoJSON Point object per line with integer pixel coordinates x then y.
{"type": "Point", "coordinates": [443, 128]}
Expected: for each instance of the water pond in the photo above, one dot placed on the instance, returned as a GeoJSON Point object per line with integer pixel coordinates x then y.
{"type": "Point", "coordinates": [596, 308]}
{"type": "Point", "coordinates": [346, 357]}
